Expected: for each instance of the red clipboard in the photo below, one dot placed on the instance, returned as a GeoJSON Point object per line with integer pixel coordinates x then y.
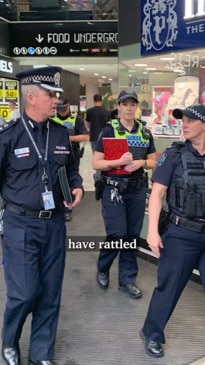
{"type": "Point", "coordinates": [114, 149]}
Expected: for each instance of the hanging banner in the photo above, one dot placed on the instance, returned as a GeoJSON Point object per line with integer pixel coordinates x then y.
{"type": "Point", "coordinates": [1, 91]}
{"type": "Point", "coordinates": [4, 111]}
{"type": "Point", "coordinates": [11, 90]}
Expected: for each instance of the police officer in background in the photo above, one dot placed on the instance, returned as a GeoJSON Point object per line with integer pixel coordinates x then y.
{"type": "Point", "coordinates": [123, 197]}
{"type": "Point", "coordinates": [75, 124]}
{"type": "Point", "coordinates": [77, 132]}
{"type": "Point", "coordinates": [32, 149]}
{"type": "Point", "coordinates": [180, 174]}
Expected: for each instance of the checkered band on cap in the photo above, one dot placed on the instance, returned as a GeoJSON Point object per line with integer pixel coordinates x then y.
{"type": "Point", "coordinates": [196, 113]}
{"type": "Point", "coordinates": [129, 94]}
{"type": "Point", "coordinates": [42, 79]}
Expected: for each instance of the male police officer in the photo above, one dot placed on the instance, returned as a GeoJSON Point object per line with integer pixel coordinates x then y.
{"type": "Point", "coordinates": [180, 174]}
{"type": "Point", "coordinates": [77, 132]}
{"type": "Point", "coordinates": [32, 149]}
{"type": "Point", "coordinates": [75, 124]}
{"type": "Point", "coordinates": [123, 198]}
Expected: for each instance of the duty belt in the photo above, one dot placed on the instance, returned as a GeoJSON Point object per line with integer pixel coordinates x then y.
{"type": "Point", "coordinates": [123, 183]}
{"type": "Point", "coordinates": [43, 214]}
{"type": "Point", "coordinates": [187, 223]}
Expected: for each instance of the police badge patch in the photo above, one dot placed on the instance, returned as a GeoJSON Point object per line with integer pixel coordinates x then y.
{"type": "Point", "coordinates": [161, 159]}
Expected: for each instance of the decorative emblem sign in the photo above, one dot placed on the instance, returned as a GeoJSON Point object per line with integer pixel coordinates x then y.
{"type": "Point", "coordinates": [159, 27]}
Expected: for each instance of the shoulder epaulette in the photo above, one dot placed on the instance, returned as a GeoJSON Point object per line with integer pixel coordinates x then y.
{"type": "Point", "coordinates": [8, 125]}
{"type": "Point", "coordinates": [178, 144]}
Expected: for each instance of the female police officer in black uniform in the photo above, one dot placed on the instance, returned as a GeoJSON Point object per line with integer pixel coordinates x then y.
{"type": "Point", "coordinates": [32, 149]}
{"type": "Point", "coordinates": [123, 199]}
{"type": "Point", "coordinates": [180, 174]}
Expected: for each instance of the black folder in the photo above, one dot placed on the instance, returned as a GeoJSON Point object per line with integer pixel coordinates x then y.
{"type": "Point", "coordinates": [65, 188]}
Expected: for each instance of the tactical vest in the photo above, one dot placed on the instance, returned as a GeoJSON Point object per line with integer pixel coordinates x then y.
{"type": "Point", "coordinates": [68, 123]}
{"type": "Point", "coordinates": [186, 194]}
{"type": "Point", "coordinates": [138, 142]}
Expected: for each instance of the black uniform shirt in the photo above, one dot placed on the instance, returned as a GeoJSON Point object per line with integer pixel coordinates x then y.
{"type": "Point", "coordinates": [169, 165]}
{"type": "Point", "coordinates": [21, 170]}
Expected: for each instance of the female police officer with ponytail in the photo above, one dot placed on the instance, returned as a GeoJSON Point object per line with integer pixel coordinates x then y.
{"type": "Point", "coordinates": [124, 195]}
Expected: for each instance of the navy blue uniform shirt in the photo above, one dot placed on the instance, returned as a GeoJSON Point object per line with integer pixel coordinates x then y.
{"type": "Point", "coordinates": [108, 131]}
{"type": "Point", "coordinates": [169, 165]}
{"type": "Point", "coordinates": [21, 170]}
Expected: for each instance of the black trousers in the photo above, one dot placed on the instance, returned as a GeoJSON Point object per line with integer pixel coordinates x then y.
{"type": "Point", "coordinates": [122, 220]}
{"type": "Point", "coordinates": [34, 260]}
{"type": "Point", "coordinates": [184, 250]}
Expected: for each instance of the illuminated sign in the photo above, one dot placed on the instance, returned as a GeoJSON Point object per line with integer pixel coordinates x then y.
{"type": "Point", "coordinates": [74, 40]}
{"type": "Point", "coordinates": [6, 66]}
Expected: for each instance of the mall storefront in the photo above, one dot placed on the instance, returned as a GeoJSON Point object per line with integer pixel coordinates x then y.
{"type": "Point", "coordinates": [9, 85]}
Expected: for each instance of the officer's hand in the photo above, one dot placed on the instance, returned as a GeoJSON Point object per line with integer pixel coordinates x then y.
{"type": "Point", "coordinates": [126, 158]}
{"type": "Point", "coordinates": [134, 165]}
{"type": "Point", "coordinates": [155, 243]}
{"type": "Point", "coordinates": [77, 194]}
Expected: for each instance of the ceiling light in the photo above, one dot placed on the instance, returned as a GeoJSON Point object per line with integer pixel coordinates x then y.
{"type": "Point", "coordinates": [145, 73]}
{"type": "Point", "coordinates": [167, 58]}
{"type": "Point", "coordinates": [96, 74]}
{"type": "Point", "coordinates": [140, 64]}
{"type": "Point", "coordinates": [103, 77]}
{"type": "Point", "coordinates": [81, 68]}
{"type": "Point", "coordinates": [178, 70]}
{"type": "Point", "coordinates": [151, 68]}
{"type": "Point", "coordinates": [110, 79]}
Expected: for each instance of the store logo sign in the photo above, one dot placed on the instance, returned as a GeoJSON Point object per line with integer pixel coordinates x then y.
{"type": "Point", "coordinates": [159, 27]}
{"type": "Point", "coordinates": [6, 66]}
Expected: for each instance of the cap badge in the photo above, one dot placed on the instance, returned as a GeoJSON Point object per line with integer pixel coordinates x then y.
{"type": "Point", "coordinates": [57, 78]}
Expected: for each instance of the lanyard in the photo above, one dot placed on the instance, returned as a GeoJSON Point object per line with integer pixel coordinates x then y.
{"type": "Point", "coordinates": [40, 157]}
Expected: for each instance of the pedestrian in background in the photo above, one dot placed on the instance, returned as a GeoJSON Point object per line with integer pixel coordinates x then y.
{"type": "Point", "coordinates": [32, 149]}
{"type": "Point", "coordinates": [14, 112]}
{"type": "Point", "coordinates": [180, 176]}
{"type": "Point", "coordinates": [96, 119]}
{"type": "Point", "coordinates": [124, 194]}
{"type": "Point", "coordinates": [77, 132]}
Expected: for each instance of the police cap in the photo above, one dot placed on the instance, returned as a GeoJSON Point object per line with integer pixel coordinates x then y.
{"type": "Point", "coordinates": [45, 77]}
{"type": "Point", "coordinates": [191, 112]}
{"type": "Point", "coordinates": [63, 103]}
{"type": "Point", "coordinates": [127, 94]}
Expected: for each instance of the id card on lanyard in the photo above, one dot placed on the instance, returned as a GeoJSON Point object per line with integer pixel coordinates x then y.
{"type": "Point", "coordinates": [47, 196]}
